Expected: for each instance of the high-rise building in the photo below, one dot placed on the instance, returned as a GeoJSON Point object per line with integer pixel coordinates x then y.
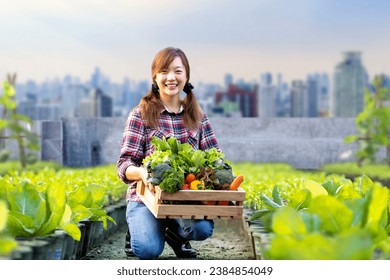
{"type": "Point", "coordinates": [313, 93]}
{"type": "Point", "coordinates": [244, 96]}
{"type": "Point", "coordinates": [324, 96]}
{"type": "Point", "coordinates": [97, 105]}
{"type": "Point", "coordinates": [39, 111]}
{"type": "Point", "coordinates": [298, 98]}
{"type": "Point", "coordinates": [266, 97]}
{"type": "Point", "coordinates": [350, 80]}
{"type": "Point", "coordinates": [71, 97]}
{"type": "Point", "coordinates": [228, 80]}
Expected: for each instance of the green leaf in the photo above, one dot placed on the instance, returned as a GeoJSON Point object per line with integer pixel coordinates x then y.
{"type": "Point", "coordinates": [99, 197]}
{"type": "Point", "coordinates": [5, 187]}
{"type": "Point", "coordinates": [8, 89]}
{"type": "Point", "coordinates": [3, 215]}
{"type": "Point", "coordinates": [198, 159]}
{"type": "Point", "coordinates": [276, 196]}
{"type": "Point", "coordinates": [331, 187]}
{"type": "Point", "coordinates": [377, 202]}
{"type": "Point", "coordinates": [347, 191]}
{"type": "Point", "coordinates": [358, 207]}
{"type": "Point", "coordinates": [310, 247]}
{"type": "Point", "coordinates": [258, 214]}
{"type": "Point", "coordinates": [365, 183]}
{"type": "Point", "coordinates": [56, 201]}
{"type": "Point", "coordinates": [211, 156]}
{"type": "Point", "coordinates": [80, 213]}
{"type": "Point", "coordinates": [7, 245]}
{"type": "Point", "coordinates": [335, 216]}
{"type": "Point", "coordinates": [300, 199]}
{"type": "Point", "coordinates": [160, 144]}
{"type": "Point", "coordinates": [3, 123]}
{"type": "Point", "coordinates": [269, 203]}
{"type": "Point", "coordinates": [9, 103]}
{"type": "Point", "coordinates": [174, 145]}
{"type": "Point", "coordinates": [26, 200]}
{"type": "Point", "coordinates": [315, 188]}
{"type": "Point", "coordinates": [77, 197]}
{"type": "Point", "coordinates": [312, 221]}
{"type": "Point", "coordinates": [354, 244]}
{"type": "Point", "coordinates": [287, 221]}
{"type": "Point", "coordinates": [73, 231]}
{"type": "Point", "coordinates": [350, 138]}
{"type": "Point", "coordinates": [19, 224]}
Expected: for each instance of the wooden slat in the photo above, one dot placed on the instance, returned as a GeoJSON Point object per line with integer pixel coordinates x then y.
{"type": "Point", "coordinates": [147, 197]}
{"type": "Point", "coordinates": [198, 210]}
{"type": "Point", "coordinates": [211, 195]}
{"type": "Point", "coordinates": [154, 201]}
{"type": "Point", "coordinates": [211, 217]}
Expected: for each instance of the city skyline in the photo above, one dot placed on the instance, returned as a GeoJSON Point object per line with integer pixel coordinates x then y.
{"type": "Point", "coordinates": [50, 39]}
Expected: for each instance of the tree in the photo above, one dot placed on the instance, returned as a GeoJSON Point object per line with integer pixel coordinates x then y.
{"type": "Point", "coordinates": [373, 124]}
{"type": "Point", "coordinates": [18, 125]}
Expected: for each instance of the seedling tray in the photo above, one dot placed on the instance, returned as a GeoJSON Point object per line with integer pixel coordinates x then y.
{"type": "Point", "coordinates": [187, 204]}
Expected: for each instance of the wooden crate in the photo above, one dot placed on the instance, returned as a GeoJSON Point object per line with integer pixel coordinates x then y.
{"type": "Point", "coordinates": [181, 208]}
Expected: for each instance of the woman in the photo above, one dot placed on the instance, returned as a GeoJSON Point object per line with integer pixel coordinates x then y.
{"type": "Point", "coordinates": [162, 113]}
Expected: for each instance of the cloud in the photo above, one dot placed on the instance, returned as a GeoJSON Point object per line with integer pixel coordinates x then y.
{"type": "Point", "coordinates": [243, 37]}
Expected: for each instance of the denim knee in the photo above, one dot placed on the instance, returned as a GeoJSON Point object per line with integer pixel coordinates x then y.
{"type": "Point", "coordinates": [147, 251]}
{"type": "Point", "coordinates": [203, 229]}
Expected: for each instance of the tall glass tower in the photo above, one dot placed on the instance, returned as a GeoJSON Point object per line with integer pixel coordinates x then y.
{"type": "Point", "coordinates": [350, 80]}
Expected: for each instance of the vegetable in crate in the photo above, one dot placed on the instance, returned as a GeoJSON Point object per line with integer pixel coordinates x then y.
{"type": "Point", "coordinates": [173, 180]}
{"type": "Point", "coordinates": [171, 162]}
{"type": "Point", "coordinates": [225, 177]}
{"type": "Point", "coordinates": [235, 184]}
{"type": "Point", "coordinates": [157, 173]}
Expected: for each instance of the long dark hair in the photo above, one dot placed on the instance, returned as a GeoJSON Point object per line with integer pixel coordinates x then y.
{"type": "Point", "coordinates": [150, 105]}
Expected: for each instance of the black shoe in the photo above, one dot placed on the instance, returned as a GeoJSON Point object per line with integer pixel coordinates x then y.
{"type": "Point", "coordinates": [181, 248]}
{"type": "Point", "coordinates": [129, 252]}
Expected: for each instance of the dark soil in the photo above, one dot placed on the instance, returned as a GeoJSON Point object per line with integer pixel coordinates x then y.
{"type": "Point", "coordinates": [229, 242]}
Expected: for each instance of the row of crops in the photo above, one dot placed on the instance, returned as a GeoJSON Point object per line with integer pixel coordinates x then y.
{"type": "Point", "coordinates": [36, 203]}
{"type": "Point", "coordinates": [306, 215]}
{"type": "Point", "coordinates": [316, 215]}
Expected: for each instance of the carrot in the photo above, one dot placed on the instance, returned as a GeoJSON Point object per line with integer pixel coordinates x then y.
{"type": "Point", "coordinates": [236, 182]}
{"type": "Point", "coordinates": [189, 178]}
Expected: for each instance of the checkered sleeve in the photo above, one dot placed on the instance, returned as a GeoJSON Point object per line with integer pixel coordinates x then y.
{"type": "Point", "coordinates": [132, 148]}
{"type": "Point", "coordinates": [207, 138]}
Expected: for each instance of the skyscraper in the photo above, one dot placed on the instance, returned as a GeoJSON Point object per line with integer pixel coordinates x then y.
{"type": "Point", "coordinates": [298, 99]}
{"type": "Point", "coordinates": [266, 107]}
{"type": "Point", "coordinates": [98, 104]}
{"type": "Point", "coordinates": [313, 93]}
{"type": "Point", "coordinates": [228, 80]}
{"type": "Point", "coordinates": [350, 80]}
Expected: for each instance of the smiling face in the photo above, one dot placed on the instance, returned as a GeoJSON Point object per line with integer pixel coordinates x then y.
{"type": "Point", "coordinates": [171, 80]}
{"type": "Point", "coordinates": [170, 72]}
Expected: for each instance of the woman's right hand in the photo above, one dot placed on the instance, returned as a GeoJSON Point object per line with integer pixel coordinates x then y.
{"type": "Point", "coordinates": [136, 173]}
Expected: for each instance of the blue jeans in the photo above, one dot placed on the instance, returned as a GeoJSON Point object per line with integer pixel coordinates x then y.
{"type": "Point", "coordinates": [148, 233]}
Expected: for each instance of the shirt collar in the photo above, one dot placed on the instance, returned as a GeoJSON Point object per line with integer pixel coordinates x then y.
{"type": "Point", "coordinates": [163, 108]}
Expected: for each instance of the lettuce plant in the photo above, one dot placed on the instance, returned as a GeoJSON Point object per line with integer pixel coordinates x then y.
{"type": "Point", "coordinates": [36, 212]}
{"type": "Point", "coordinates": [7, 244]}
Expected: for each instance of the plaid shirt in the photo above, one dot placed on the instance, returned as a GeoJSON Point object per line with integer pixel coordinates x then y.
{"type": "Point", "coordinates": [137, 136]}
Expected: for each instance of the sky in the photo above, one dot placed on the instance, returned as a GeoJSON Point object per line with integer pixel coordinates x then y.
{"type": "Point", "coordinates": [47, 39]}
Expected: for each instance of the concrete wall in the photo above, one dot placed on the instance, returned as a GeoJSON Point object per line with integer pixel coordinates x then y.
{"type": "Point", "coordinates": [91, 141]}
{"type": "Point", "coordinates": [305, 143]}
